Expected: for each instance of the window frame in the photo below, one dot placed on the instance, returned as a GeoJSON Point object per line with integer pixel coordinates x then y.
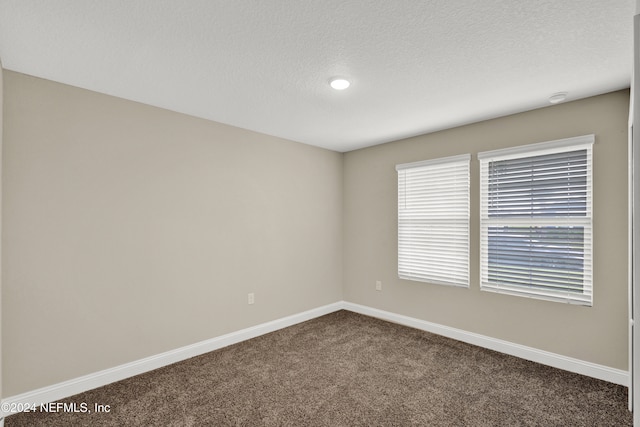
{"type": "Point", "coordinates": [412, 264]}
{"type": "Point", "coordinates": [566, 221]}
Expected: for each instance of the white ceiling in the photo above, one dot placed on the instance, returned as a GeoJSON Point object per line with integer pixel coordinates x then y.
{"type": "Point", "coordinates": [415, 66]}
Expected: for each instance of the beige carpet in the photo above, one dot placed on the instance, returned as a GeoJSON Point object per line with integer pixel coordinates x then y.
{"type": "Point", "coordinates": [346, 369]}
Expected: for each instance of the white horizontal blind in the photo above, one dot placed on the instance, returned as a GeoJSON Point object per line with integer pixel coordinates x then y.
{"type": "Point", "coordinates": [536, 226]}
{"type": "Point", "coordinates": [433, 221]}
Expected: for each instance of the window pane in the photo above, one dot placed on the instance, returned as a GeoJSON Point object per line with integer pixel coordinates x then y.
{"type": "Point", "coordinates": [544, 257]}
{"type": "Point", "coordinates": [433, 221]}
{"type": "Point", "coordinates": [535, 220]}
{"type": "Point", "coordinates": [550, 185]}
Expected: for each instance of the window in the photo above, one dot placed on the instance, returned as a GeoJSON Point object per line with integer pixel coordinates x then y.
{"type": "Point", "coordinates": [535, 220]}
{"type": "Point", "coordinates": [433, 221]}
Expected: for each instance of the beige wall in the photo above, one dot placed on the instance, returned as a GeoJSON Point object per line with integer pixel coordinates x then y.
{"type": "Point", "coordinates": [596, 334]}
{"type": "Point", "coordinates": [132, 230]}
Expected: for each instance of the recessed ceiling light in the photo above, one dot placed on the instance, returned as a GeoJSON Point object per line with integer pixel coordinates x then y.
{"type": "Point", "coordinates": [338, 83]}
{"type": "Point", "coordinates": [558, 97]}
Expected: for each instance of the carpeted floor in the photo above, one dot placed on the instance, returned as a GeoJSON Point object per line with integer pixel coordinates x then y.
{"type": "Point", "coordinates": [345, 369]}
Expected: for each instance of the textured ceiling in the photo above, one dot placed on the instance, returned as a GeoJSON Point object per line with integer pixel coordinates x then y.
{"type": "Point", "coordinates": [415, 66]}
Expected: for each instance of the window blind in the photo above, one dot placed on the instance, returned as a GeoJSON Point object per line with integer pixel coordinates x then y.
{"type": "Point", "coordinates": [433, 221]}
{"type": "Point", "coordinates": [536, 226]}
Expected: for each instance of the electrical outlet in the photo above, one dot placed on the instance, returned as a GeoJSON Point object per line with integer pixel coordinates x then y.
{"type": "Point", "coordinates": [378, 285]}
{"type": "Point", "coordinates": [251, 298]}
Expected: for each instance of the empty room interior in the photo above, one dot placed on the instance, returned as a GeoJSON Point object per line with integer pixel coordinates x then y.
{"type": "Point", "coordinates": [181, 177]}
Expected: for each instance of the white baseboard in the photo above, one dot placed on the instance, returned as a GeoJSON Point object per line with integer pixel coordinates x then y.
{"type": "Point", "coordinates": [616, 376]}
{"type": "Point", "coordinates": [78, 385]}
{"type": "Point", "coordinates": [98, 379]}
